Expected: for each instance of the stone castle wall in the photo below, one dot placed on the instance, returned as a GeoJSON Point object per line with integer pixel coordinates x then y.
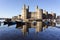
{"type": "Point", "coordinates": [38, 14]}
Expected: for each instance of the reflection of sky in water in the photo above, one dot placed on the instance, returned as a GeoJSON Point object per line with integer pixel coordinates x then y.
{"type": "Point", "coordinates": [12, 33]}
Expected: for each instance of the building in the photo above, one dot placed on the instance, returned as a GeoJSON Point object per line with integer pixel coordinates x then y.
{"type": "Point", "coordinates": [39, 14]}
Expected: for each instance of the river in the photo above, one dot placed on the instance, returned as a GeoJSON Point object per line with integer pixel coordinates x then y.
{"type": "Point", "coordinates": [13, 33]}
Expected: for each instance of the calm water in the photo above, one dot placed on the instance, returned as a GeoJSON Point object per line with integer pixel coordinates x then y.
{"type": "Point", "coordinates": [12, 33]}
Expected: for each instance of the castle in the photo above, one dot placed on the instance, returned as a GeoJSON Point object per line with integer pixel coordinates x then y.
{"type": "Point", "coordinates": [29, 18]}
{"type": "Point", "coordinates": [39, 14]}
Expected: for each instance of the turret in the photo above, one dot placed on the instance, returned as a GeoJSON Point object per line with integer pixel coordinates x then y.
{"type": "Point", "coordinates": [27, 7]}
{"type": "Point", "coordinates": [39, 13]}
{"type": "Point", "coordinates": [53, 15]}
{"type": "Point", "coordinates": [24, 6]}
{"type": "Point", "coordinates": [24, 12]}
{"type": "Point", "coordinates": [46, 14]}
{"type": "Point", "coordinates": [37, 8]}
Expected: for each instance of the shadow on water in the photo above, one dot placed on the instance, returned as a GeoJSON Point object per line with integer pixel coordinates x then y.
{"type": "Point", "coordinates": [39, 32]}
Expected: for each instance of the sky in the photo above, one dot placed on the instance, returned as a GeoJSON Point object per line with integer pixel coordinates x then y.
{"type": "Point", "coordinates": [10, 8]}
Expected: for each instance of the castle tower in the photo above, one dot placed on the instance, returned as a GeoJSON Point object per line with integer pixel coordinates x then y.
{"type": "Point", "coordinates": [37, 8]}
{"type": "Point", "coordinates": [25, 12]}
{"type": "Point", "coordinates": [53, 15]}
{"type": "Point", "coordinates": [28, 12]}
{"type": "Point", "coordinates": [46, 14]}
{"type": "Point", "coordinates": [28, 8]}
{"type": "Point", "coordinates": [39, 13]}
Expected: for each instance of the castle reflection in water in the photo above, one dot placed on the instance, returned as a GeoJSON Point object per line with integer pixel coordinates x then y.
{"type": "Point", "coordinates": [40, 26]}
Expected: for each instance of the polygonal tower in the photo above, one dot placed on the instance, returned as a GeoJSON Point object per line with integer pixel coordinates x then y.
{"type": "Point", "coordinates": [53, 15]}
{"type": "Point", "coordinates": [46, 14]}
{"type": "Point", "coordinates": [25, 12]}
{"type": "Point", "coordinates": [39, 13]}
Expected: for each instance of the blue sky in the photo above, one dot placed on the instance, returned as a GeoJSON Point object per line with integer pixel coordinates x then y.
{"type": "Point", "coordinates": [9, 8]}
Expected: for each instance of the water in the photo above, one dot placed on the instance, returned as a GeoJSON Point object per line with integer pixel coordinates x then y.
{"type": "Point", "coordinates": [13, 33]}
